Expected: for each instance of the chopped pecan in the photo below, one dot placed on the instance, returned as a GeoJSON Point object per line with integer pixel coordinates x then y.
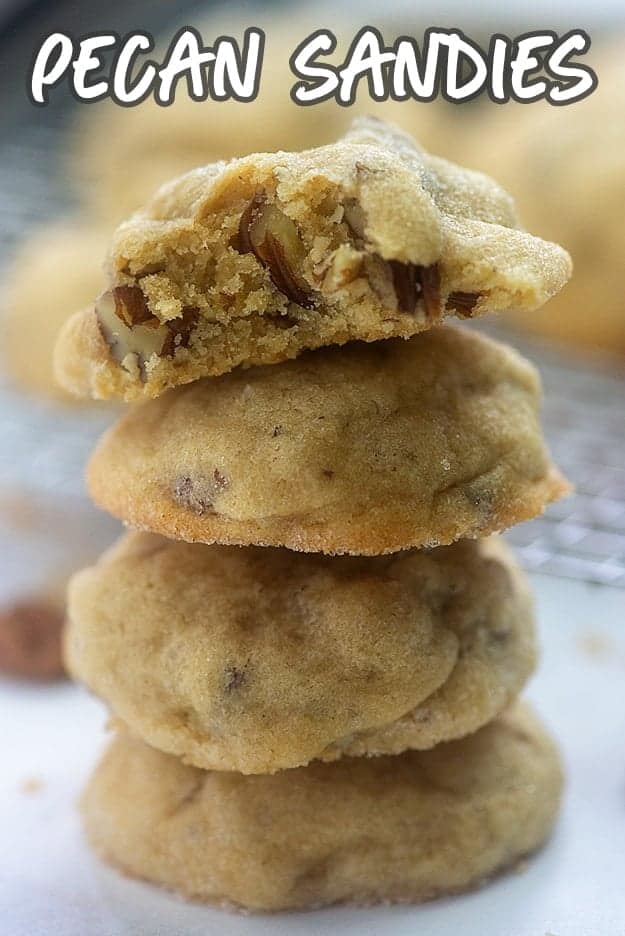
{"type": "Point", "coordinates": [412, 282]}
{"type": "Point", "coordinates": [129, 328]}
{"type": "Point", "coordinates": [463, 303]}
{"type": "Point", "coordinates": [179, 331]}
{"type": "Point", "coordinates": [275, 241]}
{"type": "Point", "coordinates": [406, 283]}
{"type": "Point", "coordinates": [199, 495]}
{"type": "Point", "coordinates": [131, 306]}
{"type": "Point", "coordinates": [431, 291]}
{"type": "Point", "coordinates": [141, 340]}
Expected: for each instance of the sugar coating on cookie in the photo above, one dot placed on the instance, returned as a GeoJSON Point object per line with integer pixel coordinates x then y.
{"type": "Point", "coordinates": [365, 449]}
{"type": "Point", "coordinates": [253, 261]}
{"type": "Point", "coordinates": [361, 830]}
{"type": "Point", "coordinates": [258, 659]}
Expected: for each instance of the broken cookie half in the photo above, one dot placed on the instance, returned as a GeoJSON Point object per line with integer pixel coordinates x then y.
{"type": "Point", "coordinates": [256, 260]}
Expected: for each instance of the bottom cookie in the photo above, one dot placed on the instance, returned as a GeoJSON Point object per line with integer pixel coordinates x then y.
{"type": "Point", "coordinates": [360, 830]}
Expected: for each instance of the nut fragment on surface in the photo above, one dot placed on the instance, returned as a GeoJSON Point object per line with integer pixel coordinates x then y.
{"type": "Point", "coordinates": [199, 495]}
{"type": "Point", "coordinates": [274, 239]}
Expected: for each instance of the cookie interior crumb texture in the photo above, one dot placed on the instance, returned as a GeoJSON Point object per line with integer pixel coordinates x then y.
{"type": "Point", "coordinates": [253, 261]}
{"type": "Point", "coordinates": [258, 659]}
{"type": "Point", "coordinates": [366, 449]}
{"type": "Point", "coordinates": [361, 830]}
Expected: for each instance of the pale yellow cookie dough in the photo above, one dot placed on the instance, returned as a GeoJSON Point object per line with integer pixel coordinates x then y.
{"type": "Point", "coordinates": [361, 830]}
{"type": "Point", "coordinates": [365, 449]}
{"type": "Point", "coordinates": [254, 261]}
{"type": "Point", "coordinates": [56, 272]}
{"type": "Point", "coordinates": [256, 660]}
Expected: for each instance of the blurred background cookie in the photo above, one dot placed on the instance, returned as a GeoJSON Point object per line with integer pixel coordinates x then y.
{"type": "Point", "coordinates": [565, 166]}
{"type": "Point", "coordinates": [57, 270]}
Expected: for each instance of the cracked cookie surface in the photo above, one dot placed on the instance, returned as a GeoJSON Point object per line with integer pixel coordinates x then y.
{"type": "Point", "coordinates": [361, 830]}
{"type": "Point", "coordinates": [253, 261]}
{"type": "Point", "coordinates": [256, 660]}
{"type": "Point", "coordinates": [365, 449]}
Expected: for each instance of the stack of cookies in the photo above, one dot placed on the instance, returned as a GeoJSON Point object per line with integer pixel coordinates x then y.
{"type": "Point", "coordinates": [312, 643]}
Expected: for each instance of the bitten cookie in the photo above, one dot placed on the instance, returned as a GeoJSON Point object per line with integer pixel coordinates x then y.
{"type": "Point", "coordinates": [362, 830]}
{"type": "Point", "coordinates": [152, 144]}
{"type": "Point", "coordinates": [253, 261]}
{"type": "Point", "coordinates": [366, 449]}
{"type": "Point", "coordinates": [256, 659]}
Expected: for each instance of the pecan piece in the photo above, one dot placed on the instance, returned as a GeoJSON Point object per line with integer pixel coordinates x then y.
{"type": "Point", "coordinates": [131, 306]}
{"type": "Point", "coordinates": [141, 340]}
{"type": "Point", "coordinates": [199, 495]}
{"type": "Point", "coordinates": [412, 282]}
{"type": "Point", "coordinates": [463, 303]}
{"type": "Point", "coordinates": [431, 291]}
{"type": "Point", "coordinates": [179, 331]}
{"type": "Point", "coordinates": [129, 328]}
{"type": "Point", "coordinates": [275, 241]}
{"type": "Point", "coordinates": [406, 284]}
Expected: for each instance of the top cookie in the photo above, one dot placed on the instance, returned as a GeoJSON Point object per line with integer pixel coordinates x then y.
{"type": "Point", "coordinates": [253, 261]}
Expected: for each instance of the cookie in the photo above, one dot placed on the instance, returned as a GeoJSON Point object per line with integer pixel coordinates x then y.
{"type": "Point", "coordinates": [253, 261]}
{"type": "Point", "coordinates": [366, 449]}
{"type": "Point", "coordinates": [152, 144]}
{"type": "Point", "coordinates": [361, 830]}
{"type": "Point", "coordinates": [56, 272]}
{"type": "Point", "coordinates": [567, 169]}
{"type": "Point", "coordinates": [256, 660]}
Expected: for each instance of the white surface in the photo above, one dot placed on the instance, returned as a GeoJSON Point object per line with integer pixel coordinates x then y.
{"type": "Point", "coordinates": [50, 884]}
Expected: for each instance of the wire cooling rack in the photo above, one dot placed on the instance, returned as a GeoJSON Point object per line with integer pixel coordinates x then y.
{"type": "Point", "coordinates": [582, 536]}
